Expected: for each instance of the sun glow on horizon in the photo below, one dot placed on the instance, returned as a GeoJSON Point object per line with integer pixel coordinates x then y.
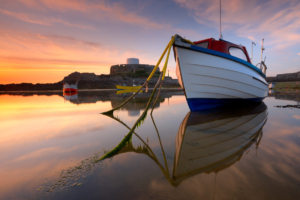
{"type": "Point", "coordinates": [87, 36]}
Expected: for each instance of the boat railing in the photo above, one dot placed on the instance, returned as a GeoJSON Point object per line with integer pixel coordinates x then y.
{"type": "Point", "coordinates": [263, 67]}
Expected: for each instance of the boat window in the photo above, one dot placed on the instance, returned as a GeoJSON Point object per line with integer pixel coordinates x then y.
{"type": "Point", "coordinates": [203, 45]}
{"type": "Point", "coordinates": [236, 52]}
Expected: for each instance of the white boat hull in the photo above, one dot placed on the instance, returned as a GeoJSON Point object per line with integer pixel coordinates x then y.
{"type": "Point", "coordinates": [211, 81]}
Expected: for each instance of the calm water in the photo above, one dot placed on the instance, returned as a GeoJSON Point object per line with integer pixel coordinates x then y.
{"type": "Point", "coordinates": [48, 145]}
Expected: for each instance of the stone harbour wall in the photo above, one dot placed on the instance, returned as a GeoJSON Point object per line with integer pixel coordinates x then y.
{"type": "Point", "coordinates": [284, 77]}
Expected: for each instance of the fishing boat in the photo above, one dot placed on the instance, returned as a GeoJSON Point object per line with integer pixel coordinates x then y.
{"type": "Point", "coordinates": [70, 87]}
{"type": "Point", "coordinates": [217, 72]}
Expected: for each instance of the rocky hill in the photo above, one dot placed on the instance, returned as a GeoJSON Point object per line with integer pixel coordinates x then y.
{"type": "Point", "coordinates": [90, 81]}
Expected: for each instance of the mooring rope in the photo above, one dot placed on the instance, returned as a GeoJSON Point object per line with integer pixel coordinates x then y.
{"type": "Point", "coordinates": [128, 137]}
{"type": "Point", "coordinates": [168, 47]}
{"type": "Point", "coordinates": [148, 79]}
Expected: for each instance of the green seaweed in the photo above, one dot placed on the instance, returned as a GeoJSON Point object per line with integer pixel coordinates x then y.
{"type": "Point", "coordinates": [147, 150]}
{"type": "Point", "coordinates": [73, 175]}
{"type": "Point", "coordinates": [128, 137]}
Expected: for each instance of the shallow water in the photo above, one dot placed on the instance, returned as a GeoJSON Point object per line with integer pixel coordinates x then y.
{"type": "Point", "coordinates": [49, 145]}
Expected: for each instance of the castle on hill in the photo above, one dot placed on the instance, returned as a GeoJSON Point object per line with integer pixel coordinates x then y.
{"type": "Point", "coordinates": [132, 65]}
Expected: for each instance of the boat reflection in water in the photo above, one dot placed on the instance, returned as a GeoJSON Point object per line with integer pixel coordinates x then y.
{"type": "Point", "coordinates": [73, 95]}
{"type": "Point", "coordinates": [271, 91]}
{"type": "Point", "coordinates": [133, 107]}
{"type": "Point", "coordinates": [136, 105]}
{"type": "Point", "coordinates": [209, 141]}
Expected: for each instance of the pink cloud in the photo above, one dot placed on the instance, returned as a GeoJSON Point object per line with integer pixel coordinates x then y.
{"type": "Point", "coordinates": [92, 12]}
{"type": "Point", "coordinates": [251, 38]}
{"type": "Point", "coordinates": [24, 17]}
{"type": "Point", "coordinates": [101, 10]}
{"type": "Point", "coordinates": [35, 19]}
{"type": "Point", "coordinates": [296, 116]}
{"type": "Point", "coordinates": [275, 20]}
{"type": "Point", "coordinates": [66, 5]}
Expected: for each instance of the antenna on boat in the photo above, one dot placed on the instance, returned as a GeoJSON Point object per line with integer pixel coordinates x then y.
{"type": "Point", "coordinates": [221, 37]}
{"type": "Point", "coordinates": [252, 52]}
{"type": "Point", "coordinates": [262, 49]}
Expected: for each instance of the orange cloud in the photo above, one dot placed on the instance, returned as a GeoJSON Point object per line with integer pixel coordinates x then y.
{"type": "Point", "coordinates": [26, 52]}
{"type": "Point", "coordinates": [36, 58]}
{"type": "Point", "coordinates": [30, 57]}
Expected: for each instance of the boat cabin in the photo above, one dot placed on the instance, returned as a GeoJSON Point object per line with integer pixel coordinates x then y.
{"type": "Point", "coordinates": [223, 46]}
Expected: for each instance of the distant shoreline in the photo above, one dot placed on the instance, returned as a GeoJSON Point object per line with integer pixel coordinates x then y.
{"type": "Point", "coordinates": [89, 81]}
{"type": "Point", "coordinates": [79, 90]}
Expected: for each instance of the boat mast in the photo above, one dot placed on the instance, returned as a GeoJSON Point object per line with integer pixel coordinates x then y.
{"type": "Point", "coordinates": [220, 22]}
{"type": "Point", "coordinates": [252, 52]}
{"type": "Point", "coordinates": [262, 49]}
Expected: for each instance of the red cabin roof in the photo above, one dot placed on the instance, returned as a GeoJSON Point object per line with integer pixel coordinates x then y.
{"type": "Point", "coordinates": [222, 46]}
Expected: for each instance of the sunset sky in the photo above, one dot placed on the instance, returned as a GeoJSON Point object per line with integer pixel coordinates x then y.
{"type": "Point", "coordinates": [42, 41]}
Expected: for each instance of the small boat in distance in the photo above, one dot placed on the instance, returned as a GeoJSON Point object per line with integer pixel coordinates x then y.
{"type": "Point", "coordinates": [215, 73]}
{"type": "Point", "coordinates": [271, 85]}
{"type": "Point", "coordinates": [124, 87]}
{"type": "Point", "coordinates": [70, 87]}
{"type": "Point", "coordinates": [70, 95]}
{"type": "Point", "coordinates": [128, 91]}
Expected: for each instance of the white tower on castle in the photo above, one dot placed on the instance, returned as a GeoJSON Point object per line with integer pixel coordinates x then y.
{"type": "Point", "coordinates": [132, 61]}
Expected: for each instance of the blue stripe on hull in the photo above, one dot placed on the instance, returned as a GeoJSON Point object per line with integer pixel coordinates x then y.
{"type": "Point", "coordinates": [230, 57]}
{"type": "Point", "coordinates": [197, 104]}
